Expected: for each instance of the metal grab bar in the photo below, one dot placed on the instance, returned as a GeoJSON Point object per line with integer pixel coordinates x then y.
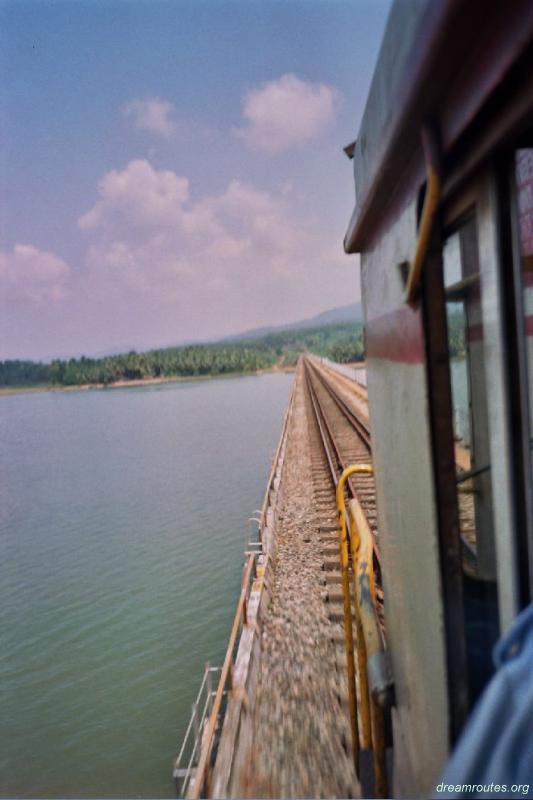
{"type": "Point", "coordinates": [472, 473]}
{"type": "Point", "coordinates": [375, 685]}
{"type": "Point", "coordinates": [375, 666]}
{"type": "Point", "coordinates": [347, 603]}
{"type": "Point", "coordinates": [362, 545]}
{"type": "Point", "coordinates": [431, 204]}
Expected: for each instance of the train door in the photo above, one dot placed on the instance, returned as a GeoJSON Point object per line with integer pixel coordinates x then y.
{"type": "Point", "coordinates": [458, 290]}
{"type": "Point", "coordinates": [516, 225]}
{"type": "Point", "coordinates": [478, 312]}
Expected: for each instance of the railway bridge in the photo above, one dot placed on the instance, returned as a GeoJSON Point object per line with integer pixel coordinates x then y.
{"type": "Point", "coordinates": [290, 712]}
{"type": "Point", "coordinates": [446, 256]}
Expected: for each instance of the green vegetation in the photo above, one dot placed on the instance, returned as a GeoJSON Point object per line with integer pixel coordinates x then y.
{"type": "Point", "coordinates": [340, 342]}
{"type": "Point", "coordinates": [456, 331]}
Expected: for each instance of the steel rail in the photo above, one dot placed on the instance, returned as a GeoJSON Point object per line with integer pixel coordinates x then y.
{"type": "Point", "coordinates": [328, 443]}
{"type": "Point", "coordinates": [360, 426]}
{"type": "Point", "coordinates": [352, 380]}
{"type": "Point", "coordinates": [357, 422]}
{"type": "Point", "coordinates": [332, 451]}
{"type": "Point", "coordinates": [375, 686]}
{"type": "Point", "coordinates": [335, 459]}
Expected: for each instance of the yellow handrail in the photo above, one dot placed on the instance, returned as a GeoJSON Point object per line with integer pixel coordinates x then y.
{"type": "Point", "coordinates": [348, 630]}
{"type": "Point", "coordinates": [362, 547]}
{"type": "Point", "coordinates": [374, 681]}
{"type": "Point", "coordinates": [431, 203]}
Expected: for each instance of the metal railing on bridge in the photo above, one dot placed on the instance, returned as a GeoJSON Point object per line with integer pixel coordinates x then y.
{"type": "Point", "coordinates": [203, 731]}
{"type": "Point", "coordinates": [193, 770]}
{"type": "Point", "coordinates": [187, 759]}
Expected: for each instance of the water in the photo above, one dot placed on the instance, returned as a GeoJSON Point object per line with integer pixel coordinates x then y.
{"type": "Point", "coordinates": [122, 528]}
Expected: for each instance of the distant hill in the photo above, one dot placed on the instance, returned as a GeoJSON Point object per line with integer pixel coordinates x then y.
{"type": "Point", "coordinates": [349, 313]}
{"type": "Point", "coordinates": [268, 348]}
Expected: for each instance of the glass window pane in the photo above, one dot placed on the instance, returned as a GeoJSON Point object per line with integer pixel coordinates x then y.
{"type": "Point", "coordinates": [467, 372]}
{"type": "Point", "coordinates": [524, 186]}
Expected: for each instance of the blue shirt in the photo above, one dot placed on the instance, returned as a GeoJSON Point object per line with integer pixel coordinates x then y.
{"type": "Point", "coordinates": [494, 756]}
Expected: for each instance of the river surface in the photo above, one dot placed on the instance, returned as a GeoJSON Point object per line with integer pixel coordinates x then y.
{"type": "Point", "coordinates": [122, 528]}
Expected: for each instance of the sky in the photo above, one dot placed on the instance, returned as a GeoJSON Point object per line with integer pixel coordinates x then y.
{"type": "Point", "coordinates": [173, 171]}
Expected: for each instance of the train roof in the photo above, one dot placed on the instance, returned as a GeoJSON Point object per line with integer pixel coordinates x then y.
{"type": "Point", "coordinates": [448, 64]}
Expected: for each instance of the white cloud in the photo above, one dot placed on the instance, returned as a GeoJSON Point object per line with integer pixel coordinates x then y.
{"type": "Point", "coordinates": [138, 194]}
{"type": "Point", "coordinates": [285, 113]}
{"type": "Point", "coordinates": [151, 114]}
{"type": "Point", "coordinates": [164, 265]}
{"type": "Point", "coordinates": [148, 233]}
{"type": "Point", "coordinates": [28, 274]}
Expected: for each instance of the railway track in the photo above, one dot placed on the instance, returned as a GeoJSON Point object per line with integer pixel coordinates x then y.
{"type": "Point", "coordinates": [339, 437]}
{"type": "Point", "coordinates": [302, 739]}
{"type": "Point", "coordinates": [310, 731]}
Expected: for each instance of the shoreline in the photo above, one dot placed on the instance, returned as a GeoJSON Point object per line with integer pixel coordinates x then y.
{"type": "Point", "coordinates": [8, 391]}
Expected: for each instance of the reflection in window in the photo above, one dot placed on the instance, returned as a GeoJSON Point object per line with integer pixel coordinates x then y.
{"type": "Point", "coordinates": [472, 449]}
{"type": "Point", "coordinates": [524, 186]}
{"type": "Point", "coordinates": [467, 371]}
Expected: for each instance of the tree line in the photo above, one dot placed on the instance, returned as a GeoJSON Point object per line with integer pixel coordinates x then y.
{"type": "Point", "coordinates": [340, 342]}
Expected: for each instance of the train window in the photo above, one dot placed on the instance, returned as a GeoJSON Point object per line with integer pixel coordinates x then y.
{"type": "Point", "coordinates": [462, 292]}
{"type": "Point", "coordinates": [523, 217]}
{"type": "Point", "coordinates": [467, 374]}
{"type": "Point", "coordinates": [524, 202]}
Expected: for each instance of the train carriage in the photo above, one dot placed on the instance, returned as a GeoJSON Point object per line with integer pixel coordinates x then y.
{"type": "Point", "coordinates": [443, 221]}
